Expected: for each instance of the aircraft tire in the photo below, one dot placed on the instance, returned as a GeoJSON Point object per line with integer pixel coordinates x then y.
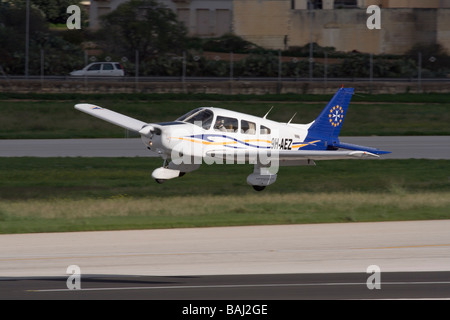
{"type": "Point", "coordinates": [160, 181]}
{"type": "Point", "coordinates": [259, 188]}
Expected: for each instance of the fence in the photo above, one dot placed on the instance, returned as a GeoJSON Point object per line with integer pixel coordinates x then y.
{"type": "Point", "coordinates": [236, 69]}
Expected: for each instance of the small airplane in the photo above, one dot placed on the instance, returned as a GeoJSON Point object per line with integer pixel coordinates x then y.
{"type": "Point", "coordinates": [215, 135]}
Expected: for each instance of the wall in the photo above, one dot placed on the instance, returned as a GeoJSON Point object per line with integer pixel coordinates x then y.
{"type": "Point", "coordinates": [219, 87]}
{"type": "Point", "coordinates": [262, 22]}
{"type": "Point", "coordinates": [443, 29]}
{"type": "Point", "coordinates": [345, 29]}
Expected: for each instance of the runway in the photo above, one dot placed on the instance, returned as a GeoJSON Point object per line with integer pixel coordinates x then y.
{"type": "Point", "coordinates": [229, 288]}
{"type": "Point", "coordinates": [410, 147]}
{"type": "Point", "coordinates": [255, 262]}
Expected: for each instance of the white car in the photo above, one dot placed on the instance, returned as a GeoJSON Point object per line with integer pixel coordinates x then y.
{"type": "Point", "coordinates": [101, 69]}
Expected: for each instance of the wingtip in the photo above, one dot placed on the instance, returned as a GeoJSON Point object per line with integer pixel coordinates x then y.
{"type": "Point", "coordinates": [80, 106]}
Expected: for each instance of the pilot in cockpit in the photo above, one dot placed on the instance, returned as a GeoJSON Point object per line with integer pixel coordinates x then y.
{"type": "Point", "coordinates": [220, 125]}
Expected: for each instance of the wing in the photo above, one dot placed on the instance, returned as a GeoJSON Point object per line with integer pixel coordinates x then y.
{"type": "Point", "coordinates": [284, 155]}
{"type": "Point", "coordinates": [111, 116]}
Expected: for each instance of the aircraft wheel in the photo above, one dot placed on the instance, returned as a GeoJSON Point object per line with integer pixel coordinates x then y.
{"type": "Point", "coordinates": [259, 188]}
{"type": "Point", "coordinates": [160, 180]}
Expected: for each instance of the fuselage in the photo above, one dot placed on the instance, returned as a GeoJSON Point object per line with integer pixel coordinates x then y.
{"type": "Point", "coordinates": [210, 129]}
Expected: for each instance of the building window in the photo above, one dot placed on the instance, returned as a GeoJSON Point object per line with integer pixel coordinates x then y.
{"type": "Point", "coordinates": [203, 22]}
{"type": "Point", "coordinates": [315, 4]}
{"type": "Point", "coordinates": [184, 16]}
{"type": "Point", "coordinates": [223, 21]}
{"type": "Point", "coordinates": [340, 4]}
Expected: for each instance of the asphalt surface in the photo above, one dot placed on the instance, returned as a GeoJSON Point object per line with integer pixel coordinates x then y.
{"type": "Point", "coordinates": [320, 261]}
{"type": "Point", "coordinates": [399, 285]}
{"type": "Point", "coordinates": [411, 147]}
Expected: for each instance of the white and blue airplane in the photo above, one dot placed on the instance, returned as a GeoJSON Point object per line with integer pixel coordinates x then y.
{"type": "Point", "coordinates": [213, 135]}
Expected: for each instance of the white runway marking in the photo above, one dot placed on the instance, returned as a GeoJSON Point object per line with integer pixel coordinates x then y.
{"type": "Point", "coordinates": [245, 286]}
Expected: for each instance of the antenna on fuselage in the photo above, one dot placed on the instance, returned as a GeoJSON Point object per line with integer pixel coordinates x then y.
{"type": "Point", "coordinates": [268, 112]}
{"type": "Point", "coordinates": [292, 118]}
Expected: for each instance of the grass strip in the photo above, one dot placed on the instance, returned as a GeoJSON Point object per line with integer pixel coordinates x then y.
{"type": "Point", "coordinates": [81, 194]}
{"type": "Point", "coordinates": [56, 215]}
{"type": "Point", "coordinates": [103, 178]}
{"type": "Point", "coordinates": [58, 119]}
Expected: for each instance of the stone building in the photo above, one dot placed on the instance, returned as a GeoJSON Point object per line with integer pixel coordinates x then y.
{"type": "Point", "coordinates": [204, 18]}
{"type": "Point", "coordinates": [277, 24]}
{"type": "Point", "coordinates": [342, 24]}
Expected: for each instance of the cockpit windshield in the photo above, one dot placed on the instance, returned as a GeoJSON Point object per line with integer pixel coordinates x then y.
{"type": "Point", "coordinates": [200, 117]}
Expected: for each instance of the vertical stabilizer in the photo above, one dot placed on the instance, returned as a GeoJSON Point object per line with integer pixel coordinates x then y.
{"type": "Point", "coordinates": [328, 124]}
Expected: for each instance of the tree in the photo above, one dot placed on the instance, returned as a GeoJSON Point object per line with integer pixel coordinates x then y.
{"type": "Point", "coordinates": [434, 57]}
{"type": "Point", "coordinates": [12, 34]}
{"type": "Point", "coordinates": [60, 56]}
{"type": "Point", "coordinates": [143, 25]}
{"type": "Point", "coordinates": [55, 10]}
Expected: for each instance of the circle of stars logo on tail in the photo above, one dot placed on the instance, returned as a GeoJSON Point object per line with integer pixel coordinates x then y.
{"type": "Point", "coordinates": [336, 116]}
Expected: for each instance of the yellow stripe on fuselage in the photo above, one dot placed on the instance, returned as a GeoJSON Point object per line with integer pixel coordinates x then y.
{"type": "Point", "coordinates": [304, 144]}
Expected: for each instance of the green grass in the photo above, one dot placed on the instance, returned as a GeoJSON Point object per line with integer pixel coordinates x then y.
{"type": "Point", "coordinates": [72, 194]}
{"type": "Point", "coordinates": [29, 119]}
{"type": "Point", "coordinates": [192, 211]}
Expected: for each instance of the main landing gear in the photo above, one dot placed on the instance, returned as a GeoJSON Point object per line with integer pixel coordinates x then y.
{"type": "Point", "coordinates": [259, 188]}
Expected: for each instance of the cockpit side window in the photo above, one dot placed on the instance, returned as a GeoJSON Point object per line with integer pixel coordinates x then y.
{"type": "Point", "coordinates": [187, 115]}
{"type": "Point", "coordinates": [248, 127]}
{"type": "Point", "coordinates": [226, 124]}
{"type": "Point", "coordinates": [200, 117]}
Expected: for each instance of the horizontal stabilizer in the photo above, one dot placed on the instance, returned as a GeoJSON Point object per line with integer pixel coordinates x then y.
{"type": "Point", "coordinates": [350, 146]}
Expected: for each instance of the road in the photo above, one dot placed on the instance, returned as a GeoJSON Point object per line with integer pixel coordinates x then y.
{"type": "Point", "coordinates": [410, 147]}
{"type": "Point", "coordinates": [229, 288]}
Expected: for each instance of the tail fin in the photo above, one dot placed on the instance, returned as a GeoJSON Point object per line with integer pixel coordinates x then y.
{"type": "Point", "coordinates": [323, 134]}
{"type": "Point", "coordinates": [328, 124]}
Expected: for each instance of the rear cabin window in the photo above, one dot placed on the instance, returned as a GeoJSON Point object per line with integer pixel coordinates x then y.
{"type": "Point", "coordinates": [248, 127]}
{"type": "Point", "coordinates": [264, 130]}
{"type": "Point", "coordinates": [226, 124]}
